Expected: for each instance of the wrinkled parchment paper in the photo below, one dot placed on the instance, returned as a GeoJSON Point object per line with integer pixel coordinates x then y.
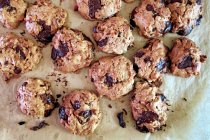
{"type": "Point", "coordinates": [189, 120]}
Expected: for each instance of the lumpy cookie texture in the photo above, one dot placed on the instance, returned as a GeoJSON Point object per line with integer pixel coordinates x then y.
{"type": "Point", "coordinates": [17, 55]}
{"type": "Point", "coordinates": [79, 112]}
{"type": "Point", "coordinates": [12, 12]}
{"type": "Point", "coordinates": [113, 35]}
{"type": "Point", "coordinates": [148, 106]}
{"type": "Point", "coordinates": [152, 17]}
{"type": "Point", "coordinates": [71, 51]}
{"type": "Point", "coordinates": [185, 15]}
{"type": "Point", "coordinates": [112, 76]}
{"type": "Point", "coordinates": [186, 58]}
{"type": "Point", "coordinates": [98, 9]}
{"type": "Point", "coordinates": [35, 98]}
{"type": "Point", "coordinates": [43, 19]}
{"type": "Point", "coordinates": [152, 60]}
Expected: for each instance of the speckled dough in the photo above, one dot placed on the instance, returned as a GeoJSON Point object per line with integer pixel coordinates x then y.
{"type": "Point", "coordinates": [112, 76]}
{"type": "Point", "coordinates": [72, 50]}
{"type": "Point", "coordinates": [17, 55]}
{"type": "Point", "coordinates": [35, 98]}
{"type": "Point", "coordinates": [152, 60]}
{"type": "Point", "coordinates": [186, 14]}
{"type": "Point", "coordinates": [186, 58]}
{"type": "Point", "coordinates": [98, 9]}
{"type": "Point", "coordinates": [152, 18]}
{"type": "Point", "coordinates": [79, 112]}
{"type": "Point", "coordinates": [148, 106]}
{"type": "Point", "coordinates": [43, 19]}
{"type": "Point", "coordinates": [113, 35]}
{"type": "Point", "coordinates": [12, 12]}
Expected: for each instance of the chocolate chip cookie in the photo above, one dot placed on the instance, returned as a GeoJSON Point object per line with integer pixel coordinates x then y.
{"type": "Point", "coordinates": [148, 106]}
{"type": "Point", "coordinates": [152, 60]}
{"type": "Point", "coordinates": [113, 35]}
{"type": "Point", "coordinates": [35, 98]}
{"type": "Point", "coordinates": [186, 15]}
{"type": "Point", "coordinates": [98, 9]}
{"type": "Point", "coordinates": [79, 112]}
{"type": "Point", "coordinates": [71, 51]}
{"type": "Point", "coordinates": [43, 19]}
{"type": "Point", "coordinates": [112, 76]}
{"type": "Point", "coordinates": [152, 17]}
{"type": "Point", "coordinates": [18, 55]}
{"type": "Point", "coordinates": [12, 12]}
{"type": "Point", "coordinates": [186, 58]}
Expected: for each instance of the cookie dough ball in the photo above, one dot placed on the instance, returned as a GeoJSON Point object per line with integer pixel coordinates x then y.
{"type": "Point", "coordinates": [98, 9]}
{"type": "Point", "coordinates": [71, 51]}
{"type": "Point", "coordinates": [112, 76]}
{"type": "Point", "coordinates": [79, 113]}
{"type": "Point", "coordinates": [152, 60]}
{"type": "Point", "coordinates": [152, 18]}
{"type": "Point", "coordinates": [113, 35]}
{"type": "Point", "coordinates": [186, 14]}
{"type": "Point", "coordinates": [43, 19]}
{"type": "Point", "coordinates": [12, 12]}
{"type": "Point", "coordinates": [35, 98]}
{"type": "Point", "coordinates": [148, 106]}
{"type": "Point", "coordinates": [186, 58]}
{"type": "Point", "coordinates": [18, 55]}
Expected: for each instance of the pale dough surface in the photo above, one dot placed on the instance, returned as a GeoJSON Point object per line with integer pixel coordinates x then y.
{"type": "Point", "coordinates": [189, 121]}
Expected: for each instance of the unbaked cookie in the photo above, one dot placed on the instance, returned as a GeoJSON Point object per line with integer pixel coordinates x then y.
{"type": "Point", "coordinates": [152, 60]}
{"type": "Point", "coordinates": [152, 17]}
{"type": "Point", "coordinates": [17, 55]}
{"type": "Point", "coordinates": [43, 19]}
{"type": "Point", "coordinates": [112, 76]}
{"type": "Point", "coordinates": [35, 98]}
{"type": "Point", "coordinates": [148, 106]}
{"type": "Point", "coordinates": [71, 51]}
{"type": "Point", "coordinates": [98, 9]}
{"type": "Point", "coordinates": [113, 35]}
{"type": "Point", "coordinates": [12, 12]}
{"type": "Point", "coordinates": [186, 58]}
{"type": "Point", "coordinates": [186, 14]}
{"type": "Point", "coordinates": [79, 112]}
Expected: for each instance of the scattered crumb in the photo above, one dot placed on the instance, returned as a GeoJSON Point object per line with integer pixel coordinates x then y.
{"type": "Point", "coordinates": [184, 99]}
{"type": "Point", "coordinates": [76, 8]}
{"type": "Point", "coordinates": [21, 122]}
{"type": "Point", "coordinates": [40, 126]}
{"type": "Point", "coordinates": [56, 105]}
{"type": "Point", "coordinates": [126, 113]}
{"type": "Point", "coordinates": [121, 120]}
{"type": "Point", "coordinates": [58, 95]}
{"type": "Point", "coordinates": [58, 78]}
{"type": "Point", "coordinates": [109, 105]}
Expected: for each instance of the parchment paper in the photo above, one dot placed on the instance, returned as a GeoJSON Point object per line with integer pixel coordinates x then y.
{"type": "Point", "coordinates": [187, 120]}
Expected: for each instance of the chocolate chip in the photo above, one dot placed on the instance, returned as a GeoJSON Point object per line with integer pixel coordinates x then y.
{"type": "Point", "coordinates": [47, 99]}
{"type": "Point", "coordinates": [189, 2]}
{"type": "Point", "coordinates": [48, 112]}
{"type": "Point", "coordinates": [40, 126]}
{"type": "Point", "coordinates": [62, 113]}
{"type": "Point", "coordinates": [149, 7]}
{"type": "Point", "coordinates": [161, 65]}
{"type": "Point", "coordinates": [60, 52]}
{"type": "Point", "coordinates": [147, 59]}
{"type": "Point", "coordinates": [102, 42]}
{"type": "Point", "coordinates": [95, 29]}
{"type": "Point", "coordinates": [139, 54]}
{"type": "Point", "coordinates": [132, 22]}
{"type": "Point", "coordinates": [45, 35]}
{"type": "Point", "coordinates": [168, 27]}
{"type": "Point", "coordinates": [108, 80]}
{"type": "Point", "coordinates": [25, 83]}
{"type": "Point", "coordinates": [76, 105]}
{"type": "Point", "coordinates": [121, 120]}
{"type": "Point", "coordinates": [198, 2]}
{"type": "Point", "coordinates": [18, 49]}
{"type": "Point", "coordinates": [54, 54]}
{"type": "Point", "coordinates": [203, 58]}
{"type": "Point", "coordinates": [185, 32]}
{"type": "Point", "coordinates": [86, 37]}
{"type": "Point", "coordinates": [17, 70]}
{"type": "Point", "coordinates": [163, 97]}
{"type": "Point", "coordinates": [136, 68]}
{"type": "Point", "coordinates": [76, 8]}
{"type": "Point", "coordinates": [143, 129]}
{"type": "Point", "coordinates": [198, 21]}
{"type": "Point", "coordinates": [147, 117]}
{"type": "Point", "coordinates": [21, 122]}
{"type": "Point", "coordinates": [94, 6]}
{"type": "Point", "coordinates": [186, 62]}
{"type": "Point", "coordinates": [86, 114]}
{"type": "Point", "coordinates": [4, 3]}
{"type": "Point", "coordinates": [58, 95]}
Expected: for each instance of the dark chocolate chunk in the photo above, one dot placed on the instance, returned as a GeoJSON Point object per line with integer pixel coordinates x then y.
{"type": "Point", "coordinates": [54, 54]}
{"type": "Point", "coordinates": [25, 83]}
{"type": "Point", "coordinates": [198, 21]}
{"type": "Point", "coordinates": [86, 114]}
{"type": "Point", "coordinates": [40, 126]}
{"type": "Point", "coordinates": [198, 2]}
{"type": "Point", "coordinates": [147, 59]}
{"type": "Point", "coordinates": [19, 50]}
{"type": "Point", "coordinates": [132, 22]}
{"type": "Point", "coordinates": [4, 3]}
{"type": "Point", "coordinates": [47, 98]}
{"type": "Point", "coordinates": [95, 29]}
{"type": "Point", "coordinates": [136, 68]}
{"type": "Point", "coordinates": [21, 122]}
{"type": "Point", "coordinates": [58, 95]}
{"type": "Point", "coordinates": [139, 54]}
{"type": "Point", "coordinates": [189, 2]}
{"type": "Point", "coordinates": [62, 113]}
{"type": "Point", "coordinates": [161, 65]}
{"type": "Point", "coordinates": [102, 42]}
{"type": "Point", "coordinates": [163, 97]}
{"type": "Point", "coordinates": [185, 32]}
{"type": "Point", "coordinates": [121, 119]}
{"type": "Point", "coordinates": [48, 112]}
{"type": "Point", "coordinates": [94, 6]}
{"type": "Point", "coordinates": [186, 62]}
{"type": "Point", "coordinates": [76, 105]}
{"type": "Point", "coordinates": [45, 35]}
{"type": "Point", "coordinates": [60, 52]}
{"type": "Point", "coordinates": [108, 80]}
{"type": "Point", "coordinates": [168, 27]}
{"type": "Point", "coordinates": [147, 117]}
{"type": "Point", "coordinates": [76, 8]}
{"type": "Point", "coordinates": [149, 7]}
{"type": "Point", "coordinates": [17, 70]}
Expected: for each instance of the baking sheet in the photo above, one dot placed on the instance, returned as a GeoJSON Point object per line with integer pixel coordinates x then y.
{"type": "Point", "coordinates": [186, 120]}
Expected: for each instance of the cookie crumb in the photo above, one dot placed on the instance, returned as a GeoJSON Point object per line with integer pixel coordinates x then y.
{"type": "Point", "coordinates": [40, 126]}
{"type": "Point", "coordinates": [184, 99]}
{"type": "Point", "coordinates": [126, 113]}
{"type": "Point", "coordinates": [109, 105]}
{"type": "Point", "coordinates": [121, 120]}
{"type": "Point", "coordinates": [21, 122]}
{"type": "Point", "coordinates": [58, 95]}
